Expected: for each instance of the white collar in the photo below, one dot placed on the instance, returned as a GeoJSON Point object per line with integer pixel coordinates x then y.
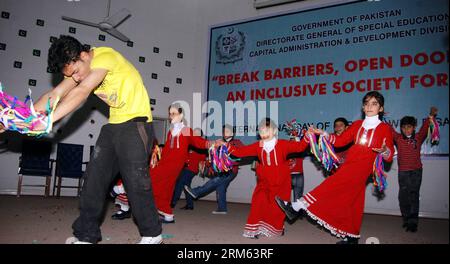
{"type": "Point", "coordinates": [176, 128]}
{"type": "Point", "coordinates": [371, 122]}
{"type": "Point", "coordinates": [268, 146]}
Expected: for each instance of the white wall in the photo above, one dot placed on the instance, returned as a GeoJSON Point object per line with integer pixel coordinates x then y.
{"type": "Point", "coordinates": [173, 26]}
{"type": "Point", "coordinates": [168, 25]}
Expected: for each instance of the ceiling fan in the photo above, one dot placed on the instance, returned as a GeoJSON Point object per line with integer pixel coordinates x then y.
{"type": "Point", "coordinates": [108, 24]}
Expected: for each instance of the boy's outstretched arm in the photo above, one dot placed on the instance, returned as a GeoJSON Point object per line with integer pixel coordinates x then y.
{"type": "Point", "coordinates": [59, 91]}
{"type": "Point", "coordinates": [71, 96]}
{"type": "Point", "coordinates": [424, 128]}
{"type": "Point", "coordinates": [76, 96]}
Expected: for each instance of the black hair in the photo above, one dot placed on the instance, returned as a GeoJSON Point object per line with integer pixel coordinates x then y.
{"type": "Point", "coordinates": [229, 127]}
{"type": "Point", "coordinates": [408, 120]}
{"type": "Point", "coordinates": [341, 119]}
{"type": "Point", "coordinates": [267, 122]}
{"type": "Point", "coordinates": [63, 51]}
{"type": "Point", "coordinates": [380, 99]}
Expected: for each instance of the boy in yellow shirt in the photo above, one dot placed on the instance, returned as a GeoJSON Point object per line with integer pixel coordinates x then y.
{"type": "Point", "coordinates": [123, 144]}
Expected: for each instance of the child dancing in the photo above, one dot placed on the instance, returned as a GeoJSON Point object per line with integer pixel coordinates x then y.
{"type": "Point", "coordinates": [338, 202]}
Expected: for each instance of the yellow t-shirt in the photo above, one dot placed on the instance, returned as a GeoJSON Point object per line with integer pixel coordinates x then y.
{"type": "Point", "coordinates": [122, 89]}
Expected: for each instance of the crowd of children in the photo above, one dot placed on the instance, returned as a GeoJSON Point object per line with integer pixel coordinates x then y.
{"type": "Point", "coordinates": [124, 146]}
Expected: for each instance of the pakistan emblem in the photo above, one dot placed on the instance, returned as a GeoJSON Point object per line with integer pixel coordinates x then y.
{"type": "Point", "coordinates": [230, 46]}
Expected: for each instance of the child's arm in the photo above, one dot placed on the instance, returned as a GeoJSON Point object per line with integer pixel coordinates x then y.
{"type": "Point", "coordinates": [387, 147]}
{"type": "Point", "coordinates": [346, 137]}
{"type": "Point", "coordinates": [395, 134]}
{"type": "Point", "coordinates": [245, 151]}
{"type": "Point", "coordinates": [426, 124]}
{"type": "Point", "coordinates": [300, 146]}
{"type": "Point", "coordinates": [390, 147]}
{"type": "Point", "coordinates": [197, 141]}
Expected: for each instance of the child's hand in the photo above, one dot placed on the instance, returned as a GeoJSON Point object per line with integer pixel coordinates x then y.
{"type": "Point", "coordinates": [219, 142]}
{"type": "Point", "coordinates": [383, 150]}
{"type": "Point", "coordinates": [20, 124]}
{"type": "Point", "coordinates": [314, 130]}
{"type": "Point", "coordinates": [433, 111]}
{"type": "Point", "coordinates": [2, 128]}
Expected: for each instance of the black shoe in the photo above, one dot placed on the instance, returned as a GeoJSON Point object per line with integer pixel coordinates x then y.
{"type": "Point", "coordinates": [172, 205]}
{"type": "Point", "coordinates": [287, 209]}
{"type": "Point", "coordinates": [348, 240]}
{"type": "Point", "coordinates": [121, 214]}
{"type": "Point", "coordinates": [405, 225]}
{"type": "Point", "coordinates": [411, 228]}
{"type": "Point", "coordinates": [187, 207]}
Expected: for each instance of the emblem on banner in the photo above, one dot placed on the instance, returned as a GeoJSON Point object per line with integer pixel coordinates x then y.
{"type": "Point", "coordinates": [230, 46]}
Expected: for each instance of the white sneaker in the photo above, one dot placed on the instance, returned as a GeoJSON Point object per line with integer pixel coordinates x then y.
{"type": "Point", "coordinates": [151, 240]}
{"type": "Point", "coordinates": [219, 212]}
{"type": "Point", "coordinates": [74, 240]}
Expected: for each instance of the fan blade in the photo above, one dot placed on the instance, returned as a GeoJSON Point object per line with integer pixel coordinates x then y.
{"type": "Point", "coordinates": [74, 20]}
{"type": "Point", "coordinates": [118, 17]}
{"type": "Point", "coordinates": [114, 32]}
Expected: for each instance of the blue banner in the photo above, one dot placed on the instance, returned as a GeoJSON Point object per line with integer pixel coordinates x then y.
{"type": "Point", "coordinates": [318, 64]}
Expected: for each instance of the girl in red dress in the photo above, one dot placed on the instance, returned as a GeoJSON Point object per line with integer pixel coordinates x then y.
{"type": "Point", "coordinates": [338, 202]}
{"type": "Point", "coordinates": [273, 179]}
{"type": "Point", "coordinates": [173, 158]}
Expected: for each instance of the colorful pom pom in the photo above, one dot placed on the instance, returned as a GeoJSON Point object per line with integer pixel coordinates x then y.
{"type": "Point", "coordinates": [156, 156]}
{"type": "Point", "coordinates": [433, 132]}
{"type": "Point", "coordinates": [378, 174]}
{"type": "Point", "coordinates": [323, 151]}
{"type": "Point", "coordinates": [293, 129]}
{"type": "Point", "coordinates": [13, 110]}
{"type": "Point", "coordinates": [220, 159]}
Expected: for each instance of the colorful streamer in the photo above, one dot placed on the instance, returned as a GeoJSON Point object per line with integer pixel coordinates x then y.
{"type": "Point", "coordinates": [156, 156]}
{"type": "Point", "coordinates": [433, 132]}
{"type": "Point", "coordinates": [13, 110]}
{"type": "Point", "coordinates": [378, 174]}
{"type": "Point", "coordinates": [329, 157]}
{"type": "Point", "coordinates": [220, 158]}
{"type": "Point", "coordinates": [293, 129]}
{"type": "Point", "coordinates": [323, 151]}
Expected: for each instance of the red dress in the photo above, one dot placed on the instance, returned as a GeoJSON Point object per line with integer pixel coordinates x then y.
{"type": "Point", "coordinates": [338, 202]}
{"type": "Point", "coordinates": [296, 165]}
{"type": "Point", "coordinates": [165, 174]}
{"type": "Point", "coordinates": [193, 161]}
{"type": "Point", "coordinates": [273, 179]}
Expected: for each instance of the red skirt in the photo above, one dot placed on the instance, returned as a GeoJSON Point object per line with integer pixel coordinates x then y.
{"type": "Point", "coordinates": [338, 202]}
{"type": "Point", "coordinates": [163, 178]}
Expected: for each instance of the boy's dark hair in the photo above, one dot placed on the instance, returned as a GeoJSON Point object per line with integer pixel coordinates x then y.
{"type": "Point", "coordinates": [229, 127]}
{"type": "Point", "coordinates": [267, 122]}
{"type": "Point", "coordinates": [341, 119]}
{"type": "Point", "coordinates": [380, 99]}
{"type": "Point", "coordinates": [408, 120]}
{"type": "Point", "coordinates": [63, 51]}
